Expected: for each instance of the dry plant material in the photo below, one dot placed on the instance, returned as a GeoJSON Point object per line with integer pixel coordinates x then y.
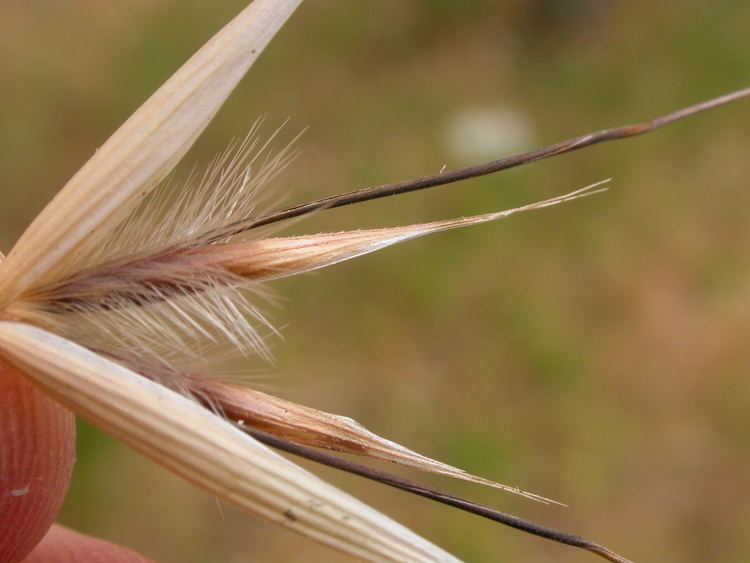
{"type": "Point", "coordinates": [306, 426]}
{"type": "Point", "coordinates": [205, 449]}
{"type": "Point", "coordinates": [143, 150]}
{"type": "Point", "coordinates": [117, 302]}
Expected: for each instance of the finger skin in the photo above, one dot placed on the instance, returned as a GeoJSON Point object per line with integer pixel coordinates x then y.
{"type": "Point", "coordinates": [36, 460]}
{"type": "Point", "coordinates": [62, 545]}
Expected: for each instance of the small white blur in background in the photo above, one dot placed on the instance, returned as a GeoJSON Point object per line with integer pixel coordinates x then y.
{"type": "Point", "coordinates": [481, 133]}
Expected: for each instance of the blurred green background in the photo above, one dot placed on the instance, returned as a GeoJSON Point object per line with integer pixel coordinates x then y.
{"type": "Point", "coordinates": [595, 353]}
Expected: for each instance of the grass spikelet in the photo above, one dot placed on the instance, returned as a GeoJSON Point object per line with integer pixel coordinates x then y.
{"type": "Point", "coordinates": [186, 285]}
{"type": "Point", "coordinates": [307, 426]}
{"type": "Point", "coordinates": [143, 289]}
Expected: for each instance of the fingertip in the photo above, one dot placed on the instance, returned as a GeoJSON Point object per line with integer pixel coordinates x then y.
{"type": "Point", "coordinates": [37, 450]}
{"type": "Point", "coordinates": [63, 545]}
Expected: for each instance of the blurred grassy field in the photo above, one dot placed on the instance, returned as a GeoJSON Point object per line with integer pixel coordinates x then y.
{"type": "Point", "coordinates": [595, 352]}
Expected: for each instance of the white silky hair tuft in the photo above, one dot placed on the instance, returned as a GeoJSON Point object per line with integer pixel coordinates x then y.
{"type": "Point", "coordinates": [194, 319]}
{"type": "Point", "coordinates": [231, 188]}
{"type": "Point", "coordinates": [187, 332]}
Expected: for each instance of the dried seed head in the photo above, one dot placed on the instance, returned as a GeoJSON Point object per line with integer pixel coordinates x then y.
{"type": "Point", "coordinates": [165, 297]}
